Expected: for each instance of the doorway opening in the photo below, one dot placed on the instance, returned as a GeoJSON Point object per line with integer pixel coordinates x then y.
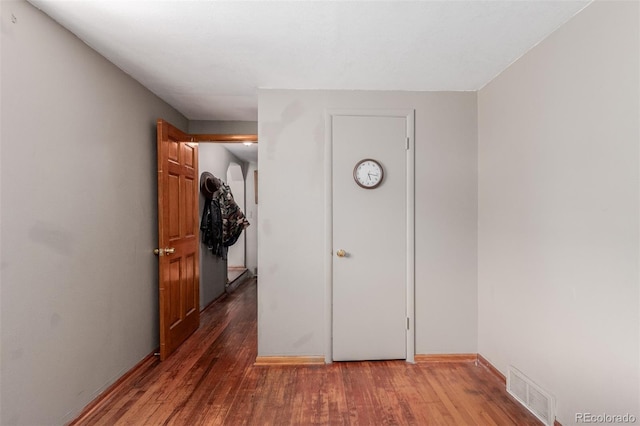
{"type": "Point", "coordinates": [193, 270]}
{"type": "Point", "coordinates": [233, 159]}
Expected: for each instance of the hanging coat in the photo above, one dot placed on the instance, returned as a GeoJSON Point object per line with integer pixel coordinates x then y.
{"type": "Point", "coordinates": [233, 219]}
{"type": "Point", "coordinates": [211, 227]}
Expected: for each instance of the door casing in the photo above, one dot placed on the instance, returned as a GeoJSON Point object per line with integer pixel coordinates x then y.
{"type": "Point", "coordinates": [408, 114]}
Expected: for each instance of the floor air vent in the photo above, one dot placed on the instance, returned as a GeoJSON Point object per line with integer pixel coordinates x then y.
{"type": "Point", "coordinates": [534, 398]}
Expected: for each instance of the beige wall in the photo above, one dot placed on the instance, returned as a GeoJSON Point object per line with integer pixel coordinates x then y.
{"type": "Point", "coordinates": [78, 220]}
{"type": "Point", "coordinates": [291, 230]}
{"type": "Point", "coordinates": [251, 211]}
{"type": "Point", "coordinates": [558, 214]}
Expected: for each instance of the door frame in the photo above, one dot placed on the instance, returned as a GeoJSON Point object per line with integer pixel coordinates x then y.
{"type": "Point", "coordinates": [409, 115]}
{"type": "Point", "coordinates": [196, 140]}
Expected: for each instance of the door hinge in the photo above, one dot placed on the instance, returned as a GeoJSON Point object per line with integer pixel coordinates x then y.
{"type": "Point", "coordinates": [407, 323]}
{"type": "Point", "coordinates": [407, 143]}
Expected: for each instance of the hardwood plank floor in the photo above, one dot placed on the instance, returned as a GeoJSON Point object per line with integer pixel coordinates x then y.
{"type": "Point", "coordinates": [211, 380]}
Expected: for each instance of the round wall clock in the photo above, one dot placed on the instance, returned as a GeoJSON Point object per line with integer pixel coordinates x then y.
{"type": "Point", "coordinates": [368, 173]}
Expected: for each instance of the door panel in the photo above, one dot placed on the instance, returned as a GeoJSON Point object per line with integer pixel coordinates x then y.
{"type": "Point", "coordinates": [174, 292]}
{"type": "Point", "coordinates": [177, 230]}
{"type": "Point", "coordinates": [173, 220]}
{"type": "Point", "coordinates": [369, 283]}
{"type": "Point", "coordinates": [192, 299]}
{"type": "Point", "coordinates": [189, 192]}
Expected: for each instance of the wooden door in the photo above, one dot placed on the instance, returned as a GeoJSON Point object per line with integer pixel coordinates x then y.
{"type": "Point", "coordinates": [178, 231]}
{"type": "Point", "coordinates": [370, 225]}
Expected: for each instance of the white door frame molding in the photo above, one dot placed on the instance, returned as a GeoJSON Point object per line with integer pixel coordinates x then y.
{"type": "Point", "coordinates": [408, 114]}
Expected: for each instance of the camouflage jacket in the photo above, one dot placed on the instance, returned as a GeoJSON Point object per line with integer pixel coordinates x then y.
{"type": "Point", "coordinates": [211, 228]}
{"type": "Point", "coordinates": [233, 219]}
{"type": "Point", "coordinates": [222, 221]}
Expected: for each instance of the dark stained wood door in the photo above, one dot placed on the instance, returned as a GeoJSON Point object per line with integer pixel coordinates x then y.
{"type": "Point", "coordinates": [178, 231]}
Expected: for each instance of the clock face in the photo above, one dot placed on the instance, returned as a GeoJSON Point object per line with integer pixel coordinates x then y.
{"type": "Point", "coordinates": [368, 173]}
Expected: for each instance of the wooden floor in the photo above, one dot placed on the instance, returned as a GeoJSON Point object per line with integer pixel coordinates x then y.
{"type": "Point", "coordinates": [211, 380]}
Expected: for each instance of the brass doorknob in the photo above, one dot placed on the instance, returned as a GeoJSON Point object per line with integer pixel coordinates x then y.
{"type": "Point", "coordinates": [341, 253]}
{"type": "Point", "coordinates": [164, 251]}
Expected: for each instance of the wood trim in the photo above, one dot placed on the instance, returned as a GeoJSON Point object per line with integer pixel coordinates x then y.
{"type": "Point", "coordinates": [446, 357]}
{"type": "Point", "coordinates": [289, 360]}
{"type": "Point", "coordinates": [102, 399]}
{"type": "Point", "coordinates": [225, 138]}
{"type": "Point", "coordinates": [485, 363]}
{"type": "Point", "coordinates": [556, 423]}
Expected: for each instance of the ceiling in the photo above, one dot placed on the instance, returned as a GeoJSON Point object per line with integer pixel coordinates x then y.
{"type": "Point", "coordinates": [208, 58]}
{"type": "Point", "coordinates": [248, 153]}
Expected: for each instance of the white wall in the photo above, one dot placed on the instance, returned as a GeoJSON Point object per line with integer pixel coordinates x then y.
{"type": "Point", "coordinates": [558, 214]}
{"type": "Point", "coordinates": [251, 212]}
{"type": "Point", "coordinates": [291, 226]}
{"type": "Point", "coordinates": [235, 180]}
{"type": "Point", "coordinates": [78, 220]}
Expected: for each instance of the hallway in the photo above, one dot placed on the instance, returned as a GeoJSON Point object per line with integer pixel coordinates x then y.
{"type": "Point", "coordinates": [211, 380]}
